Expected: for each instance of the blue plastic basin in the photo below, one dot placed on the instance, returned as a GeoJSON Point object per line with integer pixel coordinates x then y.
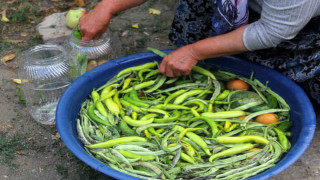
{"type": "Point", "coordinates": [302, 113]}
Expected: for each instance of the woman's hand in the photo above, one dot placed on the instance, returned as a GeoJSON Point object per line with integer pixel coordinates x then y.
{"type": "Point", "coordinates": [94, 24]}
{"type": "Point", "coordinates": [179, 63]}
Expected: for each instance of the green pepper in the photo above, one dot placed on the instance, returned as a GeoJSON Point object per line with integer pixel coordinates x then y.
{"type": "Point", "coordinates": [231, 151]}
{"type": "Point", "coordinates": [96, 118]}
{"type": "Point", "coordinates": [116, 141]}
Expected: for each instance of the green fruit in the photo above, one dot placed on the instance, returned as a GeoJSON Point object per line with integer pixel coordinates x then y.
{"type": "Point", "coordinates": [73, 16]}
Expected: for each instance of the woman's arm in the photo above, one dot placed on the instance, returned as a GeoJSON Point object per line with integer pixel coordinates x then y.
{"type": "Point", "coordinates": [181, 61]}
{"type": "Point", "coordinates": [95, 23]}
{"type": "Point", "coordinates": [280, 20]}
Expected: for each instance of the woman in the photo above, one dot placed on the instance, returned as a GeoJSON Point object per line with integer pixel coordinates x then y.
{"type": "Point", "coordinates": [285, 37]}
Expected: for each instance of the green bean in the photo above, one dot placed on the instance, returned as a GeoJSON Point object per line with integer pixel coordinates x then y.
{"type": "Point", "coordinates": [126, 129]}
{"type": "Point", "coordinates": [95, 118]}
{"type": "Point", "coordinates": [170, 106]}
{"type": "Point", "coordinates": [105, 93]}
{"type": "Point", "coordinates": [201, 104]}
{"type": "Point", "coordinates": [101, 108]}
{"type": "Point", "coordinates": [156, 153]}
{"type": "Point", "coordinates": [173, 95]}
{"type": "Point", "coordinates": [139, 86]}
{"type": "Point", "coordinates": [140, 73]}
{"type": "Point", "coordinates": [152, 73]}
{"type": "Point", "coordinates": [224, 114]}
{"type": "Point", "coordinates": [136, 68]}
{"type": "Point", "coordinates": [186, 95]}
{"type": "Point", "coordinates": [175, 116]}
{"type": "Point", "coordinates": [283, 140]}
{"type": "Point", "coordinates": [217, 89]}
{"type": "Point", "coordinates": [136, 103]}
{"type": "Point", "coordinates": [177, 155]}
{"type": "Point", "coordinates": [121, 157]}
{"type": "Point", "coordinates": [128, 154]}
{"type": "Point", "coordinates": [132, 122]}
{"type": "Point", "coordinates": [157, 52]}
{"type": "Point", "coordinates": [158, 85]}
{"type": "Point", "coordinates": [117, 141]}
{"type": "Point", "coordinates": [172, 80]}
{"type": "Point", "coordinates": [150, 166]}
{"type": "Point", "coordinates": [242, 139]}
{"type": "Point", "coordinates": [148, 144]}
{"type": "Point", "coordinates": [144, 173]}
{"type": "Point", "coordinates": [211, 123]}
{"type": "Point", "coordinates": [197, 139]}
{"type": "Point", "coordinates": [81, 134]}
{"type": "Point", "coordinates": [164, 113]}
{"type": "Point", "coordinates": [231, 151]}
{"type": "Point", "coordinates": [128, 105]}
{"type": "Point", "coordinates": [203, 71]}
{"type": "Point", "coordinates": [188, 85]}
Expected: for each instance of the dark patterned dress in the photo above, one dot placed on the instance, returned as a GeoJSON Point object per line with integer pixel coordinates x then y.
{"type": "Point", "coordinates": [298, 59]}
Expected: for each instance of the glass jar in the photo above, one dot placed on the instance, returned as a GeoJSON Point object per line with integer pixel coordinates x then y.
{"type": "Point", "coordinates": [101, 49]}
{"type": "Point", "coordinates": [47, 71]}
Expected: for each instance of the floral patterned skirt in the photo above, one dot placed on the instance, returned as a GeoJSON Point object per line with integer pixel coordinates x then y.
{"type": "Point", "coordinates": [298, 59]}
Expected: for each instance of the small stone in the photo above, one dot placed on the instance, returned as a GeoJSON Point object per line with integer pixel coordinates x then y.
{"type": "Point", "coordinates": [53, 29]}
{"type": "Point", "coordinates": [24, 34]}
{"type": "Point", "coordinates": [125, 33]}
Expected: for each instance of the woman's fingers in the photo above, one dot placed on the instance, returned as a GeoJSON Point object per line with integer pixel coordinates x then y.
{"type": "Point", "coordinates": [163, 66]}
{"type": "Point", "coordinates": [99, 35]}
{"type": "Point", "coordinates": [94, 24]}
{"type": "Point", "coordinates": [178, 63]}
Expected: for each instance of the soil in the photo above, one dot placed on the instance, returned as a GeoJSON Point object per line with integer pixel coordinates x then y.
{"type": "Point", "coordinates": [29, 150]}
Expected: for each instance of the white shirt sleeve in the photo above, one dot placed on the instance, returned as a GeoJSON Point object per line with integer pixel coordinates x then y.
{"type": "Point", "coordinates": [280, 20]}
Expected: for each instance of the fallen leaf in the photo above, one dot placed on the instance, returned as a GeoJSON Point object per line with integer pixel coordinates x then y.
{"type": "Point", "coordinates": [57, 135]}
{"type": "Point", "coordinates": [125, 33]}
{"type": "Point", "coordinates": [91, 65]}
{"type": "Point", "coordinates": [135, 26]}
{"type": "Point", "coordinates": [10, 2]}
{"type": "Point", "coordinates": [13, 40]}
{"type": "Point", "coordinates": [20, 152]}
{"type": "Point", "coordinates": [5, 126]}
{"type": "Point", "coordinates": [4, 16]}
{"type": "Point", "coordinates": [80, 3]}
{"type": "Point", "coordinates": [8, 58]}
{"type": "Point", "coordinates": [102, 61]}
{"type": "Point", "coordinates": [24, 34]}
{"type": "Point", "coordinates": [18, 81]}
{"type": "Point", "coordinates": [154, 11]}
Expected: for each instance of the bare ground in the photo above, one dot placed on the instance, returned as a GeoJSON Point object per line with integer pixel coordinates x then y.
{"type": "Point", "coordinates": [29, 150]}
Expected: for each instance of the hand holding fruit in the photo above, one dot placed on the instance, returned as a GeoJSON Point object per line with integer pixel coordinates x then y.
{"type": "Point", "coordinates": [95, 23]}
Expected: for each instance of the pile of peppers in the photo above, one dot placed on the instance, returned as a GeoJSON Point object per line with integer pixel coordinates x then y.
{"type": "Point", "coordinates": [147, 125]}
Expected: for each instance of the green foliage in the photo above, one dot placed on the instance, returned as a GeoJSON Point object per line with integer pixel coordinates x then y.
{"type": "Point", "coordinates": [21, 15]}
{"type": "Point", "coordinates": [9, 145]}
